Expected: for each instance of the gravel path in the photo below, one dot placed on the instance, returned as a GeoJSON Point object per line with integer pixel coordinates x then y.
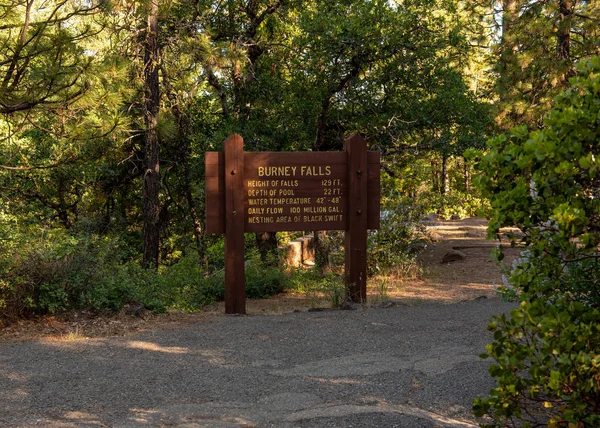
{"type": "Point", "coordinates": [404, 366]}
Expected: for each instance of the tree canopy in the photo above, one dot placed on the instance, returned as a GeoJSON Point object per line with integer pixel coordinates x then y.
{"type": "Point", "coordinates": [107, 107]}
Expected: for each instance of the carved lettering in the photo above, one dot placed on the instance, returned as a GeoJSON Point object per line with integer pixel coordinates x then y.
{"type": "Point", "coordinates": [275, 197]}
{"type": "Point", "coordinates": [276, 171]}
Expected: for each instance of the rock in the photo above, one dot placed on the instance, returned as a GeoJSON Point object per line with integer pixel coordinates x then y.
{"type": "Point", "coordinates": [133, 309]}
{"type": "Point", "coordinates": [434, 236]}
{"type": "Point", "coordinates": [454, 256]}
{"type": "Point", "coordinates": [385, 304]}
{"type": "Point", "coordinates": [430, 218]}
{"type": "Point", "coordinates": [417, 247]}
{"type": "Point", "coordinates": [349, 305]}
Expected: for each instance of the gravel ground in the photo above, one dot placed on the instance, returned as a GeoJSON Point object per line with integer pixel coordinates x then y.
{"type": "Point", "coordinates": [404, 366]}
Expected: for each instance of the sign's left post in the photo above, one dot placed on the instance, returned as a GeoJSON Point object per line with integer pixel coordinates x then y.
{"type": "Point", "coordinates": [235, 293]}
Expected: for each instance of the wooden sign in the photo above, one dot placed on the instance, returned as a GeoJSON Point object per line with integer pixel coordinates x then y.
{"type": "Point", "coordinates": [279, 191]}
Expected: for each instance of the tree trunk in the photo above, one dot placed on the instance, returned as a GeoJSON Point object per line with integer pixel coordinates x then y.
{"type": "Point", "coordinates": [193, 212]}
{"type": "Point", "coordinates": [445, 179]}
{"type": "Point", "coordinates": [510, 14]}
{"type": "Point", "coordinates": [321, 252]}
{"type": "Point", "coordinates": [152, 170]}
{"type": "Point", "coordinates": [267, 247]}
{"type": "Point", "coordinates": [435, 176]}
{"type": "Point", "coordinates": [563, 37]}
{"type": "Point", "coordinates": [509, 44]}
{"type": "Point", "coordinates": [467, 175]}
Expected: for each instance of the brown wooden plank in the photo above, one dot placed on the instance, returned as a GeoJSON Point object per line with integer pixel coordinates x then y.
{"type": "Point", "coordinates": [283, 186]}
{"type": "Point", "coordinates": [252, 159]}
{"type": "Point", "coordinates": [214, 158]}
{"type": "Point", "coordinates": [300, 226]}
{"type": "Point", "coordinates": [235, 282]}
{"type": "Point", "coordinates": [214, 192]}
{"type": "Point", "coordinates": [356, 233]}
{"type": "Point", "coordinates": [373, 191]}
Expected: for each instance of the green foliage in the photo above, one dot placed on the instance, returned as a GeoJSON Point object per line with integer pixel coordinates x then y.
{"type": "Point", "coordinates": [314, 285]}
{"type": "Point", "coordinates": [390, 247]}
{"type": "Point", "coordinates": [547, 366]}
{"type": "Point", "coordinates": [264, 280]}
{"type": "Point", "coordinates": [536, 54]}
{"type": "Point", "coordinates": [300, 76]}
{"type": "Point", "coordinates": [69, 271]}
{"type": "Point", "coordinates": [546, 183]}
{"type": "Point", "coordinates": [454, 204]}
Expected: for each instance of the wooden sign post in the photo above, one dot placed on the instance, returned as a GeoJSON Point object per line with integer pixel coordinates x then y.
{"type": "Point", "coordinates": [302, 191]}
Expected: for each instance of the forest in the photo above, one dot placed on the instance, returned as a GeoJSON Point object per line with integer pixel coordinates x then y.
{"type": "Point", "coordinates": [477, 107]}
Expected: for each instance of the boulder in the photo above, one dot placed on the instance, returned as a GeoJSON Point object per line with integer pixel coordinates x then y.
{"type": "Point", "coordinates": [384, 304]}
{"type": "Point", "coordinates": [431, 218]}
{"type": "Point", "coordinates": [349, 305]}
{"type": "Point", "coordinates": [417, 247]}
{"type": "Point", "coordinates": [454, 256]}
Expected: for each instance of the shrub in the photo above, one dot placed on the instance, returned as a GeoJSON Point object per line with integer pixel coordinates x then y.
{"type": "Point", "coordinates": [546, 183]}
{"type": "Point", "coordinates": [455, 204]}
{"type": "Point", "coordinates": [548, 366]}
{"type": "Point", "coordinates": [265, 281]}
{"type": "Point", "coordinates": [314, 285]}
{"type": "Point", "coordinates": [389, 248]}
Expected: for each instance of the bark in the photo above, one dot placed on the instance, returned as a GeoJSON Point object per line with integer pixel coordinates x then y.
{"type": "Point", "coordinates": [214, 82]}
{"type": "Point", "coordinates": [267, 247]}
{"type": "Point", "coordinates": [151, 207]}
{"type": "Point", "coordinates": [445, 179]}
{"type": "Point", "coordinates": [467, 175]}
{"type": "Point", "coordinates": [563, 39]}
{"type": "Point", "coordinates": [266, 242]}
{"type": "Point", "coordinates": [321, 142]}
{"type": "Point", "coordinates": [510, 14]}
{"type": "Point", "coordinates": [435, 179]}
{"type": "Point", "coordinates": [322, 251]}
{"type": "Point", "coordinates": [509, 41]}
{"type": "Point", "coordinates": [193, 212]}
{"type": "Point", "coordinates": [63, 213]}
{"type": "Point", "coordinates": [183, 125]}
{"type": "Point", "coordinates": [324, 142]}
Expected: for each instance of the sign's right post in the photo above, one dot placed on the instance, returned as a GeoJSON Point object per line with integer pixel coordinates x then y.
{"type": "Point", "coordinates": [356, 229]}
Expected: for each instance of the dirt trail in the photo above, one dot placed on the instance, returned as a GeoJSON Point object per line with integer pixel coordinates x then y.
{"type": "Point", "coordinates": [466, 279]}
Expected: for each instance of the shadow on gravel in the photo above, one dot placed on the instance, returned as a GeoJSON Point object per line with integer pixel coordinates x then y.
{"type": "Point", "coordinates": [404, 366]}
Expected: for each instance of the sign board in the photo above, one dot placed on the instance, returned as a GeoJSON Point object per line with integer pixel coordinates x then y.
{"type": "Point", "coordinates": [290, 191]}
{"type": "Point", "coordinates": [285, 191]}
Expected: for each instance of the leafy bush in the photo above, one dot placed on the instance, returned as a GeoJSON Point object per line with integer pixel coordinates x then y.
{"type": "Point", "coordinates": [67, 271]}
{"type": "Point", "coordinates": [546, 183]}
{"type": "Point", "coordinates": [455, 204]}
{"type": "Point", "coordinates": [548, 366]}
{"type": "Point", "coordinates": [390, 247]}
{"type": "Point", "coordinates": [264, 281]}
{"type": "Point", "coordinates": [313, 285]}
